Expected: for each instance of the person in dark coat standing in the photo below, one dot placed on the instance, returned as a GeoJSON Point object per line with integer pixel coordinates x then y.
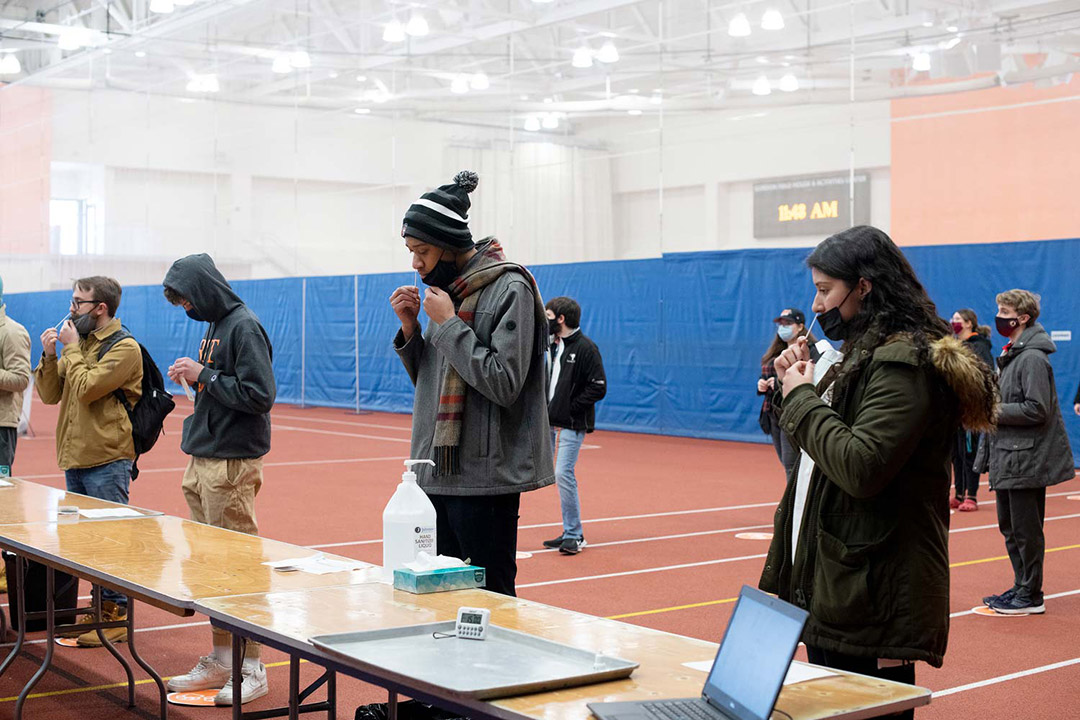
{"type": "Point", "coordinates": [966, 328]}
{"type": "Point", "coordinates": [1029, 452]}
{"type": "Point", "coordinates": [861, 537]}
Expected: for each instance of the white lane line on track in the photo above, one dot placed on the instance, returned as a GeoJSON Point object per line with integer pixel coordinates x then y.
{"type": "Point", "coordinates": [1006, 678]}
{"type": "Point", "coordinates": [642, 571]}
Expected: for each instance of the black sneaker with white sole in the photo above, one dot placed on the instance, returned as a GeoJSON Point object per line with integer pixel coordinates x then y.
{"type": "Point", "coordinates": [1003, 597]}
{"type": "Point", "coordinates": [1018, 605]}
{"type": "Point", "coordinates": [554, 543]}
{"type": "Point", "coordinates": [572, 546]}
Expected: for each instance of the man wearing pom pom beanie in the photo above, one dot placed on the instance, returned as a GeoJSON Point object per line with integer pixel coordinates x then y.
{"type": "Point", "coordinates": [480, 410]}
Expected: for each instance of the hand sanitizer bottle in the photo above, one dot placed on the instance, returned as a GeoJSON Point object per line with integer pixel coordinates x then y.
{"type": "Point", "coordinates": [408, 523]}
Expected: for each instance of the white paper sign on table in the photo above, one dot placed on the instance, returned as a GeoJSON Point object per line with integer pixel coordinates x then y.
{"type": "Point", "coordinates": [100, 513]}
{"type": "Point", "coordinates": [317, 564]}
{"type": "Point", "coordinates": [797, 673]}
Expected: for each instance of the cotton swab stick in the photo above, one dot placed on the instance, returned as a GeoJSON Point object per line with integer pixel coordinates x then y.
{"type": "Point", "coordinates": [187, 389]}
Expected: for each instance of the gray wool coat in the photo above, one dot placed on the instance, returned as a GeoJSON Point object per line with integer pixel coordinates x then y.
{"type": "Point", "coordinates": [1031, 448]}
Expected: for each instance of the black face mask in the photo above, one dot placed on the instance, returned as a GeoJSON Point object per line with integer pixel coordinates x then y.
{"type": "Point", "coordinates": [833, 324]}
{"type": "Point", "coordinates": [1005, 326]}
{"type": "Point", "coordinates": [194, 315]}
{"type": "Point", "coordinates": [84, 324]}
{"type": "Point", "coordinates": [444, 273]}
{"type": "Point", "coordinates": [553, 326]}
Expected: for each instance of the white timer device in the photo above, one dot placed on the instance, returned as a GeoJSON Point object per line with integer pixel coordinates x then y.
{"type": "Point", "coordinates": [472, 623]}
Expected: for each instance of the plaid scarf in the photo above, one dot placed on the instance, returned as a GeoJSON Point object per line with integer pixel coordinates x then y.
{"type": "Point", "coordinates": [487, 267]}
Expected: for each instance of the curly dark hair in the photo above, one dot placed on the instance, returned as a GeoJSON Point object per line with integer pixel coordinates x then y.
{"type": "Point", "coordinates": [897, 304]}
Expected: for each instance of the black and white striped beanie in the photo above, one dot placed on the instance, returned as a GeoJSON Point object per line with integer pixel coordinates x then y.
{"type": "Point", "coordinates": [441, 217]}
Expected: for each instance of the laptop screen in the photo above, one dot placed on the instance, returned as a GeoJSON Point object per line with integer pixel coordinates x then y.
{"type": "Point", "coordinates": [754, 655]}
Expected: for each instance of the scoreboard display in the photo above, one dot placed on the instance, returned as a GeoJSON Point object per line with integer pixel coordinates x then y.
{"type": "Point", "coordinates": [817, 205]}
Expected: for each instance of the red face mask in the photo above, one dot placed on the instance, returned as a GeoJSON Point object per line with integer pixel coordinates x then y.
{"type": "Point", "coordinates": [957, 328]}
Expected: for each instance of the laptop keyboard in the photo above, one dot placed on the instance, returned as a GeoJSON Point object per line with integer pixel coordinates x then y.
{"type": "Point", "coordinates": [679, 710]}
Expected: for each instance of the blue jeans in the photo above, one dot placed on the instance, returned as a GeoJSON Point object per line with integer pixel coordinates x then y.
{"type": "Point", "coordinates": [104, 482]}
{"type": "Point", "coordinates": [566, 444]}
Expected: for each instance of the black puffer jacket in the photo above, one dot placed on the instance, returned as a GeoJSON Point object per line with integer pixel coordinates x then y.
{"type": "Point", "coordinates": [1031, 448]}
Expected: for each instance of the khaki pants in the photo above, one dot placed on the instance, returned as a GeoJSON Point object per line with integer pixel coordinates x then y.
{"type": "Point", "coordinates": [222, 493]}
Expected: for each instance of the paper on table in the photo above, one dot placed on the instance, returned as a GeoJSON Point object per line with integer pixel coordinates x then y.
{"type": "Point", "coordinates": [797, 673]}
{"type": "Point", "coordinates": [98, 513]}
{"type": "Point", "coordinates": [5, 483]}
{"type": "Point", "coordinates": [317, 564]}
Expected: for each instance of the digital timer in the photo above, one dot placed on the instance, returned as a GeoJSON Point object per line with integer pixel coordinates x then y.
{"type": "Point", "coordinates": [472, 623]}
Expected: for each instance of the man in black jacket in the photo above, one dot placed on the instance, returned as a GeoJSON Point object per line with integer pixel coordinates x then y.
{"type": "Point", "coordinates": [226, 436]}
{"type": "Point", "coordinates": [576, 383]}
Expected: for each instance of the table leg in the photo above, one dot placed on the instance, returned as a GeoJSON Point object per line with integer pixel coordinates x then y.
{"type": "Point", "coordinates": [96, 592]}
{"type": "Point", "coordinates": [50, 627]}
{"type": "Point", "coordinates": [391, 706]}
{"type": "Point", "coordinates": [237, 677]}
{"type": "Point", "coordinates": [294, 687]}
{"type": "Point", "coordinates": [145, 665]}
{"type": "Point", "coordinates": [20, 572]}
{"type": "Point", "coordinates": [331, 695]}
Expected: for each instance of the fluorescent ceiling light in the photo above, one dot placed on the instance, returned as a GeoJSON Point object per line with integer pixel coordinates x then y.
{"type": "Point", "coordinates": [582, 57]}
{"type": "Point", "coordinates": [417, 26]}
{"type": "Point", "coordinates": [921, 62]}
{"type": "Point", "coordinates": [361, 78]}
{"type": "Point", "coordinates": [73, 38]}
{"type": "Point", "coordinates": [479, 81]}
{"type": "Point", "coordinates": [333, 75]}
{"type": "Point", "coordinates": [204, 83]}
{"type": "Point", "coordinates": [608, 53]}
{"type": "Point", "coordinates": [362, 111]}
{"type": "Point", "coordinates": [657, 98]}
{"type": "Point", "coordinates": [299, 59]}
{"type": "Point", "coordinates": [532, 124]}
{"type": "Point", "coordinates": [772, 20]}
{"type": "Point", "coordinates": [394, 31]}
{"type": "Point", "coordinates": [953, 28]}
{"type": "Point", "coordinates": [633, 112]}
{"type": "Point", "coordinates": [10, 65]}
{"type": "Point", "coordinates": [281, 65]}
{"type": "Point", "coordinates": [550, 121]}
{"type": "Point", "coordinates": [161, 7]}
{"type": "Point", "coordinates": [739, 26]}
{"type": "Point", "coordinates": [183, 3]}
{"type": "Point", "coordinates": [140, 53]}
{"type": "Point", "coordinates": [761, 86]}
{"type": "Point", "coordinates": [460, 85]}
{"type": "Point", "coordinates": [789, 83]}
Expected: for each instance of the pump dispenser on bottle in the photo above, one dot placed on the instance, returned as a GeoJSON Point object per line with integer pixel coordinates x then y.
{"type": "Point", "coordinates": [408, 523]}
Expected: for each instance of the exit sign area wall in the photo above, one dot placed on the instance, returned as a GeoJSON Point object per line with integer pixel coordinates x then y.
{"type": "Point", "coordinates": [816, 205]}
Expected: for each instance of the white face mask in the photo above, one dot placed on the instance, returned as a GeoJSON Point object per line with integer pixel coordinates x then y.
{"type": "Point", "coordinates": [786, 332]}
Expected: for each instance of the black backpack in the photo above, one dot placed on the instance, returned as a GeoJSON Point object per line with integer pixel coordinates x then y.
{"type": "Point", "coordinates": [149, 413]}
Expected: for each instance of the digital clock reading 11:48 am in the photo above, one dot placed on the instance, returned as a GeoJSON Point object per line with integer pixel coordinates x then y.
{"type": "Point", "coordinates": [797, 211]}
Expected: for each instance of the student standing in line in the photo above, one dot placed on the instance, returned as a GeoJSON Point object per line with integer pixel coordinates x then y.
{"type": "Point", "coordinates": [14, 378]}
{"type": "Point", "coordinates": [790, 326]}
{"type": "Point", "coordinates": [966, 329]}
{"type": "Point", "coordinates": [94, 446]}
{"type": "Point", "coordinates": [480, 410]}
{"type": "Point", "coordinates": [576, 383]}
{"type": "Point", "coordinates": [227, 435]}
{"type": "Point", "coordinates": [1029, 452]}
{"type": "Point", "coordinates": [861, 534]}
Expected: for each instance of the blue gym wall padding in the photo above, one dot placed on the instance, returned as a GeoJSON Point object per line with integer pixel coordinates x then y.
{"type": "Point", "coordinates": [682, 335]}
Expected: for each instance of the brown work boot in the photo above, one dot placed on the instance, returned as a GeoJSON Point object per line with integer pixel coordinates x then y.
{"type": "Point", "coordinates": [110, 612]}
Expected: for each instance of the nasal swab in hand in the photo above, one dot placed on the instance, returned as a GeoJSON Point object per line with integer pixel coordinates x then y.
{"type": "Point", "coordinates": [187, 389]}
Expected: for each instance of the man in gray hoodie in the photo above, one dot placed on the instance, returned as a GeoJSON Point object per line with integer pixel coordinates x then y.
{"type": "Point", "coordinates": [480, 410]}
{"type": "Point", "coordinates": [226, 436]}
{"type": "Point", "coordinates": [1029, 452]}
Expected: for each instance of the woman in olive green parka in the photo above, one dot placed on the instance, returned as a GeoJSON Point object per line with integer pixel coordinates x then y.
{"type": "Point", "coordinates": [861, 534]}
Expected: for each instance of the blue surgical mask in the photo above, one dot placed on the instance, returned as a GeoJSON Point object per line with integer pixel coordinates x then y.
{"type": "Point", "coordinates": [786, 332]}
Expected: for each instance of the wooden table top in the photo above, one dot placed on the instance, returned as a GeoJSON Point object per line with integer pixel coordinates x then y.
{"type": "Point", "coordinates": [293, 617]}
{"type": "Point", "coordinates": [29, 502]}
{"type": "Point", "coordinates": [170, 562]}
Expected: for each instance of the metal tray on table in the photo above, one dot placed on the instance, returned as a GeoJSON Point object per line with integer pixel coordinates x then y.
{"type": "Point", "coordinates": [505, 664]}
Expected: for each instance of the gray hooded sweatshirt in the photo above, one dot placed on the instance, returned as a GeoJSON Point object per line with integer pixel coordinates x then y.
{"type": "Point", "coordinates": [236, 390]}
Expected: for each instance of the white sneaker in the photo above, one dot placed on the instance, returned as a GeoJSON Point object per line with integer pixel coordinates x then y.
{"type": "Point", "coordinates": [254, 686]}
{"type": "Point", "coordinates": [208, 674]}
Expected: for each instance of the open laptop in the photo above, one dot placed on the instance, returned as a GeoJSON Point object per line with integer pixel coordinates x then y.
{"type": "Point", "coordinates": [747, 674]}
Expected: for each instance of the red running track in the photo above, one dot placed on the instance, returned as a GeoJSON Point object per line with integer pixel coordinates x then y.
{"type": "Point", "coordinates": [662, 516]}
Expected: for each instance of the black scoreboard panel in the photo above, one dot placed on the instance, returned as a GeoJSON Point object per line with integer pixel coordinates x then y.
{"type": "Point", "coordinates": [816, 205]}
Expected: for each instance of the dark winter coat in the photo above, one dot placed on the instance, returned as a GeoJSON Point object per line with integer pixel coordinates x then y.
{"type": "Point", "coordinates": [980, 345]}
{"type": "Point", "coordinates": [1031, 448]}
{"type": "Point", "coordinates": [581, 385]}
{"type": "Point", "coordinates": [873, 557]}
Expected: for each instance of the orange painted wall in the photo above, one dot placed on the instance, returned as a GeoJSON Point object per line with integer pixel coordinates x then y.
{"type": "Point", "coordinates": [998, 175]}
{"type": "Point", "coordinates": [25, 157]}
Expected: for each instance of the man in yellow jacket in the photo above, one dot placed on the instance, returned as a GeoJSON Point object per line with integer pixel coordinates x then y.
{"type": "Point", "coordinates": [93, 432]}
{"type": "Point", "coordinates": [14, 377]}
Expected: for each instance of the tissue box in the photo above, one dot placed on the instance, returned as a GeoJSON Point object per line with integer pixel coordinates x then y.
{"type": "Point", "coordinates": [440, 580]}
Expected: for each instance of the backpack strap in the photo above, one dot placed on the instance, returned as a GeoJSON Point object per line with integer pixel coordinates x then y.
{"type": "Point", "coordinates": [106, 345]}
